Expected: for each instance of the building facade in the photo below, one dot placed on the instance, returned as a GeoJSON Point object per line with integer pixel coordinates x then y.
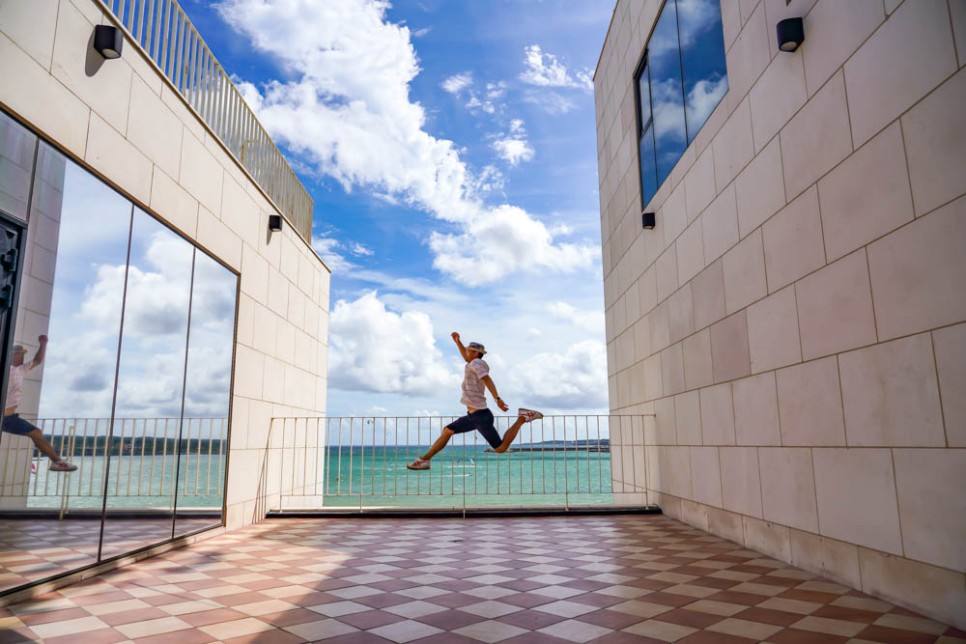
{"type": "Point", "coordinates": [136, 196]}
{"type": "Point", "coordinates": [795, 318]}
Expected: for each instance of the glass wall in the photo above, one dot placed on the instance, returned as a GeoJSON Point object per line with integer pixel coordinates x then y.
{"type": "Point", "coordinates": [118, 372]}
{"type": "Point", "coordinates": [680, 80]}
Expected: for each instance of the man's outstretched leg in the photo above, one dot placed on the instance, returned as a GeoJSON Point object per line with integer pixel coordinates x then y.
{"type": "Point", "coordinates": [524, 416]}
{"type": "Point", "coordinates": [422, 463]}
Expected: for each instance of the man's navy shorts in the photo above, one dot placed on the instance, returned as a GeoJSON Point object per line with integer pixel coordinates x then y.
{"type": "Point", "coordinates": [482, 421]}
{"type": "Point", "coordinates": [14, 424]}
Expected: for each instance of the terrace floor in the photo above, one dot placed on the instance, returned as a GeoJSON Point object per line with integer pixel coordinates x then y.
{"type": "Point", "coordinates": [621, 578]}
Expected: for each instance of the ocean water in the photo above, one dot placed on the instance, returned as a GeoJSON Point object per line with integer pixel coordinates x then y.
{"type": "Point", "coordinates": [364, 476]}
{"type": "Point", "coordinates": [465, 475]}
{"type": "Point", "coordinates": [132, 482]}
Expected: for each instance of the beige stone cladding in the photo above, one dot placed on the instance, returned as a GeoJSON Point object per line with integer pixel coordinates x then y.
{"type": "Point", "coordinates": [797, 318]}
{"type": "Point", "coordinates": [131, 128]}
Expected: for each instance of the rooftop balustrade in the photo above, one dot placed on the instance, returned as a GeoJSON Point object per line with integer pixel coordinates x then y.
{"type": "Point", "coordinates": [165, 34]}
{"type": "Point", "coordinates": [360, 462]}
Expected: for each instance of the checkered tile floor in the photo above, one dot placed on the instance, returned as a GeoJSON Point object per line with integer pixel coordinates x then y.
{"type": "Point", "coordinates": [533, 580]}
{"type": "Point", "coordinates": [33, 549]}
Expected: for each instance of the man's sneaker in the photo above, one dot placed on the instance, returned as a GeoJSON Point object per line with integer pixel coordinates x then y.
{"type": "Point", "coordinates": [62, 466]}
{"type": "Point", "coordinates": [529, 415]}
{"type": "Point", "coordinates": [418, 464]}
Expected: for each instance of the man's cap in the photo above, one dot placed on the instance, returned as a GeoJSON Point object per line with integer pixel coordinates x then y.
{"type": "Point", "coordinates": [18, 347]}
{"type": "Point", "coordinates": [476, 346]}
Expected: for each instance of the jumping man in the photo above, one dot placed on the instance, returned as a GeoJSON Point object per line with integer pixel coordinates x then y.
{"type": "Point", "coordinates": [12, 422]}
{"type": "Point", "coordinates": [476, 376]}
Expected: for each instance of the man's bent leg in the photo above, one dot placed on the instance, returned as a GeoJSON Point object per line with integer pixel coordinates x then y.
{"type": "Point", "coordinates": [440, 443]}
{"type": "Point", "coordinates": [43, 445]}
{"type": "Point", "coordinates": [511, 435]}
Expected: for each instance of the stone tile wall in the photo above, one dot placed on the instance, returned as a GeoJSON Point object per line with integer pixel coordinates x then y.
{"type": "Point", "coordinates": [797, 319]}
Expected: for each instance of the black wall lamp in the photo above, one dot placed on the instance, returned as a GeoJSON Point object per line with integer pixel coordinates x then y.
{"type": "Point", "coordinates": [648, 220]}
{"type": "Point", "coordinates": [274, 223]}
{"type": "Point", "coordinates": [791, 34]}
{"type": "Point", "coordinates": [108, 41]}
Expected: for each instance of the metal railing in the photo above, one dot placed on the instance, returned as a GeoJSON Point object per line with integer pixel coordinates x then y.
{"type": "Point", "coordinates": [166, 35]}
{"type": "Point", "coordinates": [146, 462]}
{"type": "Point", "coordinates": [559, 461]}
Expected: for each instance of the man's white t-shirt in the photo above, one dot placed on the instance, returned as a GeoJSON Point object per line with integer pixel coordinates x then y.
{"type": "Point", "coordinates": [15, 385]}
{"type": "Point", "coordinates": [473, 387]}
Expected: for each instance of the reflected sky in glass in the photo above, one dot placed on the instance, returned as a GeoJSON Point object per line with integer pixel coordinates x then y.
{"type": "Point", "coordinates": [702, 58]}
{"type": "Point", "coordinates": [683, 80]}
{"type": "Point", "coordinates": [667, 94]}
{"type": "Point", "coordinates": [155, 334]}
{"type": "Point", "coordinates": [208, 389]}
{"type": "Point", "coordinates": [85, 309]}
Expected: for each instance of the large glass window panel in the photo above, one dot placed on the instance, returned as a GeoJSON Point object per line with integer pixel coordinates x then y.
{"type": "Point", "coordinates": [17, 148]}
{"type": "Point", "coordinates": [203, 452]}
{"type": "Point", "coordinates": [648, 166]}
{"type": "Point", "coordinates": [702, 58]}
{"type": "Point", "coordinates": [667, 96]}
{"type": "Point", "coordinates": [147, 412]}
{"type": "Point", "coordinates": [646, 143]}
{"type": "Point", "coordinates": [78, 230]}
{"type": "Point", "coordinates": [644, 98]}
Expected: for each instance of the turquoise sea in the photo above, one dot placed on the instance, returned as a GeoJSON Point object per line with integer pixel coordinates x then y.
{"type": "Point", "coordinates": [466, 475]}
{"type": "Point", "coordinates": [365, 476]}
{"type": "Point", "coordinates": [132, 482]}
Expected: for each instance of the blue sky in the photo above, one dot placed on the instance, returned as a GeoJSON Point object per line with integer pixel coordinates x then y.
{"type": "Point", "coordinates": [450, 148]}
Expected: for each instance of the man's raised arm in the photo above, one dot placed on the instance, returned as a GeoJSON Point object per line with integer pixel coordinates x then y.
{"type": "Point", "coordinates": [459, 345]}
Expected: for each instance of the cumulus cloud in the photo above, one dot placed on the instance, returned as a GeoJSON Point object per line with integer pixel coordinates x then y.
{"type": "Point", "coordinates": [545, 70]}
{"type": "Point", "coordinates": [574, 379]}
{"type": "Point", "coordinates": [344, 108]}
{"type": "Point", "coordinates": [378, 350]}
{"type": "Point", "coordinates": [513, 147]}
{"type": "Point", "coordinates": [505, 241]}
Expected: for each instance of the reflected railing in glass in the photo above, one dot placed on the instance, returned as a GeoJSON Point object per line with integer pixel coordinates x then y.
{"type": "Point", "coordinates": [143, 455]}
{"type": "Point", "coordinates": [556, 461]}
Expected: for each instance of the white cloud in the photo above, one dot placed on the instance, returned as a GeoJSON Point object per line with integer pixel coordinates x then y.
{"type": "Point", "coordinates": [328, 249]}
{"type": "Point", "coordinates": [550, 102]}
{"type": "Point", "coordinates": [457, 83]}
{"type": "Point", "coordinates": [704, 97]}
{"type": "Point", "coordinates": [589, 320]}
{"type": "Point", "coordinates": [574, 379]}
{"type": "Point", "coordinates": [505, 241]}
{"type": "Point", "coordinates": [378, 350]}
{"type": "Point", "coordinates": [489, 179]}
{"type": "Point", "coordinates": [360, 250]}
{"type": "Point", "coordinates": [345, 110]}
{"type": "Point", "coordinates": [487, 101]}
{"type": "Point", "coordinates": [514, 147]}
{"type": "Point", "coordinates": [513, 151]}
{"type": "Point", "coordinates": [544, 70]}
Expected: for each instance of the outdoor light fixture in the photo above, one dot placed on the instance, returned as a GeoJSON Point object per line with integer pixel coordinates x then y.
{"type": "Point", "coordinates": [108, 41]}
{"type": "Point", "coordinates": [647, 220]}
{"type": "Point", "coordinates": [791, 34]}
{"type": "Point", "coordinates": [274, 222]}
